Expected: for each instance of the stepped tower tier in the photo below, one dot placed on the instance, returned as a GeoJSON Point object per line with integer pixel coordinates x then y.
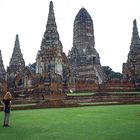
{"type": "Point", "coordinates": [83, 57]}
{"type": "Point", "coordinates": [83, 32]}
{"type": "Point", "coordinates": [2, 69]}
{"type": "Point", "coordinates": [51, 36]}
{"type": "Point", "coordinates": [131, 69]}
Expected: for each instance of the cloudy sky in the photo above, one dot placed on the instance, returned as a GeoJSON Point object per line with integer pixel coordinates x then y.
{"type": "Point", "coordinates": [112, 19]}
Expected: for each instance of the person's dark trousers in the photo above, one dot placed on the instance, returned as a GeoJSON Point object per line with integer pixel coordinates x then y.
{"type": "Point", "coordinates": [6, 119]}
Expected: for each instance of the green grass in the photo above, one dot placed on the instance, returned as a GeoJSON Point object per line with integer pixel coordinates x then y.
{"type": "Point", "coordinates": [18, 105]}
{"type": "Point", "coordinates": [80, 94]}
{"type": "Point", "coordinates": [98, 103]}
{"type": "Point", "coordinates": [132, 92]}
{"type": "Point", "coordinates": [118, 122]}
{"type": "Point", "coordinates": [88, 93]}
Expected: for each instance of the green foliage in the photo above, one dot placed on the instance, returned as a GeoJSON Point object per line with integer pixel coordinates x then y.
{"type": "Point", "coordinates": [111, 74]}
{"type": "Point", "coordinates": [119, 122]}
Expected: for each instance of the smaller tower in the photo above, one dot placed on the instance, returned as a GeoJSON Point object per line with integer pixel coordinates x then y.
{"type": "Point", "coordinates": [131, 69]}
{"type": "Point", "coordinates": [2, 70]}
{"type": "Point", "coordinates": [16, 64]}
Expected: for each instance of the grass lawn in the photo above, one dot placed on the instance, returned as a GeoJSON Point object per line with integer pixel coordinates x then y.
{"type": "Point", "coordinates": [89, 93]}
{"type": "Point", "coordinates": [130, 92]}
{"type": "Point", "coordinates": [80, 94]}
{"type": "Point", "coordinates": [118, 122]}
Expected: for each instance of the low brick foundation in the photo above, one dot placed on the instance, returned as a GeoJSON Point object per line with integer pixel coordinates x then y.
{"type": "Point", "coordinates": [106, 97]}
{"type": "Point", "coordinates": [75, 101]}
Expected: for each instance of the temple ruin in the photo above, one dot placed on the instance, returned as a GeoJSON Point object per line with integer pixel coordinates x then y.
{"type": "Point", "coordinates": [2, 70]}
{"type": "Point", "coordinates": [131, 69]}
{"type": "Point", "coordinates": [16, 65]}
{"type": "Point", "coordinates": [83, 57]}
{"type": "Point", "coordinates": [51, 61]}
{"type": "Point", "coordinates": [54, 73]}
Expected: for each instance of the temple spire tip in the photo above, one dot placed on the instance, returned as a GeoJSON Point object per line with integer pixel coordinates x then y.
{"type": "Point", "coordinates": [51, 5]}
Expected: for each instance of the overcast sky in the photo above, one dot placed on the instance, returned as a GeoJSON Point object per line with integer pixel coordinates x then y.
{"type": "Point", "coordinates": [112, 19]}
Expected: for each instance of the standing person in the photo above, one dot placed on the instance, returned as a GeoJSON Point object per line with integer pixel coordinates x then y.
{"type": "Point", "coordinates": [7, 108]}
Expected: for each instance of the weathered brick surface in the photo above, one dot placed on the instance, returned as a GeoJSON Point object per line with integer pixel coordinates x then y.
{"type": "Point", "coordinates": [131, 69]}
{"type": "Point", "coordinates": [83, 57]}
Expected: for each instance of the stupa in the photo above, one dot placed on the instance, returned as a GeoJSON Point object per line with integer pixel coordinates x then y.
{"type": "Point", "coordinates": [83, 57]}
{"type": "Point", "coordinates": [131, 69]}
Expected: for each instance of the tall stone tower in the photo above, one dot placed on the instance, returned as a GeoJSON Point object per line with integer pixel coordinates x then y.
{"type": "Point", "coordinates": [84, 59]}
{"type": "Point", "coordinates": [17, 63]}
{"type": "Point", "coordinates": [2, 69]}
{"type": "Point", "coordinates": [50, 60]}
{"type": "Point", "coordinates": [131, 69]}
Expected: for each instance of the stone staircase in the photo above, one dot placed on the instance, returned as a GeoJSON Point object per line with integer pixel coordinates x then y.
{"type": "Point", "coordinates": [106, 98]}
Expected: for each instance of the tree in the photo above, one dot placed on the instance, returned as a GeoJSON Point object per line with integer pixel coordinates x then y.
{"type": "Point", "coordinates": [111, 74]}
